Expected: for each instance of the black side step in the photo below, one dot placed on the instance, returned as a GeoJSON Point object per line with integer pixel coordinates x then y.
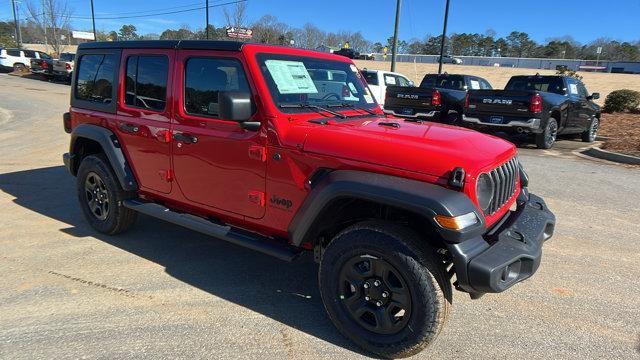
{"type": "Point", "coordinates": [236, 236]}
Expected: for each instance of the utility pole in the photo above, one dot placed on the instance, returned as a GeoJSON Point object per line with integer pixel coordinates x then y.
{"type": "Point", "coordinates": [44, 28]}
{"type": "Point", "coordinates": [93, 23]}
{"type": "Point", "coordinates": [444, 34]}
{"type": "Point", "coordinates": [206, 29]}
{"type": "Point", "coordinates": [17, 23]}
{"type": "Point", "coordinates": [394, 47]}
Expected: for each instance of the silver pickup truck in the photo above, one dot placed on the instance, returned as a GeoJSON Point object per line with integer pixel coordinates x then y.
{"type": "Point", "coordinates": [63, 67]}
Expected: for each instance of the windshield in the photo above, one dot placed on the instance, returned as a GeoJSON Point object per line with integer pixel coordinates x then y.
{"type": "Point", "coordinates": [308, 80]}
{"type": "Point", "coordinates": [539, 83]}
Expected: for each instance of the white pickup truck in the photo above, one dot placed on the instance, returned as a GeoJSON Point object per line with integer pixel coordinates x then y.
{"type": "Point", "coordinates": [18, 59]}
{"type": "Point", "coordinates": [378, 81]}
{"type": "Point", "coordinates": [63, 67]}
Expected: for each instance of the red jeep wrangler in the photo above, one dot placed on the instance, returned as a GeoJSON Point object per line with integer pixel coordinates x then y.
{"type": "Point", "coordinates": [285, 150]}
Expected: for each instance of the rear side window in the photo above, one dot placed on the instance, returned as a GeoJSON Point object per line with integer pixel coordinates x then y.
{"type": "Point", "coordinates": [370, 77]}
{"type": "Point", "coordinates": [13, 52]}
{"type": "Point", "coordinates": [95, 78]}
{"type": "Point", "coordinates": [29, 53]}
{"type": "Point", "coordinates": [66, 57]}
{"type": "Point", "coordinates": [146, 82]}
{"type": "Point", "coordinates": [205, 77]}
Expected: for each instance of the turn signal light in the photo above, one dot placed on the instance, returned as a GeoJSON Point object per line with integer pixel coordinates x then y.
{"type": "Point", "coordinates": [457, 222]}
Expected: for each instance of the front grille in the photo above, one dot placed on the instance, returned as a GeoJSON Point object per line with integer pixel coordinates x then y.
{"type": "Point", "coordinates": [504, 184]}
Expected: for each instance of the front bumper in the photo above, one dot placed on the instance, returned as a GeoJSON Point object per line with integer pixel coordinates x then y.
{"type": "Point", "coordinates": [509, 253]}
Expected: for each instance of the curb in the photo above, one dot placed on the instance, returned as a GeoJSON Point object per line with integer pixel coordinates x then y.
{"type": "Point", "coordinates": [596, 152]}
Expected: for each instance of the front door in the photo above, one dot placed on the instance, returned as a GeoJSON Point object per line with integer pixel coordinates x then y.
{"type": "Point", "coordinates": [217, 164]}
{"type": "Point", "coordinates": [143, 119]}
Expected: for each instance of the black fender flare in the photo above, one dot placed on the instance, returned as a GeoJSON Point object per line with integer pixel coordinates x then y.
{"type": "Point", "coordinates": [418, 197]}
{"type": "Point", "coordinates": [111, 148]}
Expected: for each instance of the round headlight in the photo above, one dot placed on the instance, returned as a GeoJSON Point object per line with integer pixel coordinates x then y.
{"type": "Point", "coordinates": [484, 191]}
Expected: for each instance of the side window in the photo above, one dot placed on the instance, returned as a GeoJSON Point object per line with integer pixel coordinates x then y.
{"type": "Point", "coordinates": [95, 78]}
{"type": "Point", "coordinates": [29, 53]}
{"type": "Point", "coordinates": [13, 52]}
{"type": "Point", "coordinates": [205, 77]}
{"type": "Point", "coordinates": [484, 85]}
{"type": "Point", "coordinates": [402, 81]}
{"type": "Point", "coordinates": [582, 91]}
{"type": "Point", "coordinates": [146, 82]}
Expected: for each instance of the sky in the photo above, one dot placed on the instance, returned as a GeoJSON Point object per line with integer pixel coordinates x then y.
{"type": "Point", "coordinates": [583, 20]}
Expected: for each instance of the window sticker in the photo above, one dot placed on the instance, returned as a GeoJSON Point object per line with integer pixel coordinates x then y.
{"type": "Point", "coordinates": [353, 88]}
{"type": "Point", "coordinates": [368, 99]}
{"type": "Point", "coordinates": [291, 77]}
{"type": "Point", "coordinates": [390, 80]}
{"type": "Point", "coordinates": [475, 84]}
{"type": "Point", "coordinates": [354, 68]}
{"type": "Point", "coordinates": [573, 89]}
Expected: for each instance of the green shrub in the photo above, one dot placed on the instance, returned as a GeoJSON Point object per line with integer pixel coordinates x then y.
{"type": "Point", "coordinates": [622, 101]}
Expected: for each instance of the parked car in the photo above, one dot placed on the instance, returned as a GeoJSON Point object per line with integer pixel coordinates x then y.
{"type": "Point", "coordinates": [349, 53]}
{"type": "Point", "coordinates": [439, 97]}
{"type": "Point", "coordinates": [42, 65]}
{"type": "Point", "coordinates": [378, 80]}
{"type": "Point", "coordinates": [448, 59]}
{"type": "Point", "coordinates": [63, 67]}
{"type": "Point", "coordinates": [544, 106]}
{"type": "Point", "coordinates": [17, 59]}
{"type": "Point", "coordinates": [238, 141]}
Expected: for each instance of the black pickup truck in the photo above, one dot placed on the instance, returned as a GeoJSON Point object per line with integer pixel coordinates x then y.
{"type": "Point", "coordinates": [544, 106]}
{"type": "Point", "coordinates": [439, 97]}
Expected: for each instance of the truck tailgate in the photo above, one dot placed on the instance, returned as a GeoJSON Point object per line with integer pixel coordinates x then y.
{"type": "Point", "coordinates": [408, 100]}
{"type": "Point", "coordinates": [504, 102]}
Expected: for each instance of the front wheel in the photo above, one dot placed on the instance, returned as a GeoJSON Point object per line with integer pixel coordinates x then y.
{"type": "Point", "coordinates": [590, 134]}
{"type": "Point", "coordinates": [384, 289]}
{"type": "Point", "coordinates": [547, 137]}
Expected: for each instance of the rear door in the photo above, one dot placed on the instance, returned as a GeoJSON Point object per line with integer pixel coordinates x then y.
{"type": "Point", "coordinates": [217, 164]}
{"type": "Point", "coordinates": [144, 112]}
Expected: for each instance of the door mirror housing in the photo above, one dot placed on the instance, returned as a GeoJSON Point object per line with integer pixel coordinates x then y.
{"type": "Point", "coordinates": [594, 96]}
{"type": "Point", "coordinates": [237, 106]}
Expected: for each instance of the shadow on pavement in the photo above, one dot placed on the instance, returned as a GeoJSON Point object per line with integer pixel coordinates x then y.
{"type": "Point", "coordinates": [286, 292]}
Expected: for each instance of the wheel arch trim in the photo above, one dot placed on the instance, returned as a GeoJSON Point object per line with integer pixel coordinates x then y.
{"type": "Point", "coordinates": [110, 146]}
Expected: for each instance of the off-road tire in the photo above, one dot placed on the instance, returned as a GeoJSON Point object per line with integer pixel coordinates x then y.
{"type": "Point", "coordinates": [415, 261]}
{"type": "Point", "coordinates": [590, 134]}
{"type": "Point", "coordinates": [118, 218]}
{"type": "Point", "coordinates": [548, 136]}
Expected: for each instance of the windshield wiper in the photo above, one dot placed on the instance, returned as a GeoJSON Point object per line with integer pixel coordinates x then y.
{"type": "Point", "coordinates": [353, 107]}
{"type": "Point", "coordinates": [314, 107]}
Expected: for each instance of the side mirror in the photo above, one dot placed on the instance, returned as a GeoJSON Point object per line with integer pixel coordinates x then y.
{"type": "Point", "coordinates": [237, 106]}
{"type": "Point", "coordinates": [411, 83]}
{"type": "Point", "coordinates": [594, 96]}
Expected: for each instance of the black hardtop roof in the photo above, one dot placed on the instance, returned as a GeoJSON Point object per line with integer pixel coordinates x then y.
{"type": "Point", "coordinates": [165, 44]}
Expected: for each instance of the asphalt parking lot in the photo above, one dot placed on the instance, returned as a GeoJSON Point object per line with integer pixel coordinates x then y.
{"type": "Point", "coordinates": [161, 291]}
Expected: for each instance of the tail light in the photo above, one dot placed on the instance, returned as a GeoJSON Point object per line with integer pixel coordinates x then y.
{"type": "Point", "coordinates": [536, 104]}
{"type": "Point", "coordinates": [466, 102]}
{"type": "Point", "coordinates": [67, 66]}
{"type": "Point", "coordinates": [345, 91]}
{"type": "Point", "coordinates": [45, 65]}
{"type": "Point", "coordinates": [436, 98]}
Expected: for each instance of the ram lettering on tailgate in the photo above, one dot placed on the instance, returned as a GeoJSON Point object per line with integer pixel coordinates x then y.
{"type": "Point", "coordinates": [407, 96]}
{"type": "Point", "coordinates": [497, 101]}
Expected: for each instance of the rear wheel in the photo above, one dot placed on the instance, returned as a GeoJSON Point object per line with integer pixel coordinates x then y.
{"type": "Point", "coordinates": [383, 289]}
{"type": "Point", "coordinates": [19, 67]}
{"type": "Point", "coordinates": [100, 196]}
{"type": "Point", "coordinates": [590, 134]}
{"type": "Point", "coordinates": [547, 138]}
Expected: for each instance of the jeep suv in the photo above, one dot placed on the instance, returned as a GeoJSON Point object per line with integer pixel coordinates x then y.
{"type": "Point", "coordinates": [285, 151]}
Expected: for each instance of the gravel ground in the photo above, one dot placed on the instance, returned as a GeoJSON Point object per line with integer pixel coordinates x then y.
{"type": "Point", "coordinates": [622, 131]}
{"type": "Point", "coordinates": [160, 291]}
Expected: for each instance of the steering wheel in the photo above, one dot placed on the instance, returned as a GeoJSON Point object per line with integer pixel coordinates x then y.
{"type": "Point", "coordinates": [337, 96]}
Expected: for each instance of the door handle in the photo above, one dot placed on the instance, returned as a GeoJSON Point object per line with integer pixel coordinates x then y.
{"type": "Point", "coordinates": [130, 128]}
{"type": "Point", "coordinates": [185, 138]}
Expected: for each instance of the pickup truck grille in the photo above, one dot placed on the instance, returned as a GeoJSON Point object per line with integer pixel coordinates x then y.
{"type": "Point", "coordinates": [504, 184]}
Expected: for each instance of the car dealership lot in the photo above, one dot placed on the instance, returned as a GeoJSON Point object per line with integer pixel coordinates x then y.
{"type": "Point", "coordinates": [163, 291]}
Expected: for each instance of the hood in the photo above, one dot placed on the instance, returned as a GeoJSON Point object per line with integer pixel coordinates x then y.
{"type": "Point", "coordinates": [427, 147]}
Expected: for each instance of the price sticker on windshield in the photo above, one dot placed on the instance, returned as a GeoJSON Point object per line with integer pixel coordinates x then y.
{"type": "Point", "coordinates": [291, 77]}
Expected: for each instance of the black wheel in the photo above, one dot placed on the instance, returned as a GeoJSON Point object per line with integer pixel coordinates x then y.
{"type": "Point", "coordinates": [547, 138]}
{"type": "Point", "coordinates": [453, 118]}
{"type": "Point", "coordinates": [591, 133]}
{"type": "Point", "coordinates": [19, 67]}
{"type": "Point", "coordinates": [383, 289]}
{"type": "Point", "coordinates": [101, 196]}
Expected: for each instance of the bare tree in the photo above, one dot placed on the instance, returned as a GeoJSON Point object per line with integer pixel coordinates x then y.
{"type": "Point", "coordinates": [52, 20]}
{"type": "Point", "coordinates": [238, 17]}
